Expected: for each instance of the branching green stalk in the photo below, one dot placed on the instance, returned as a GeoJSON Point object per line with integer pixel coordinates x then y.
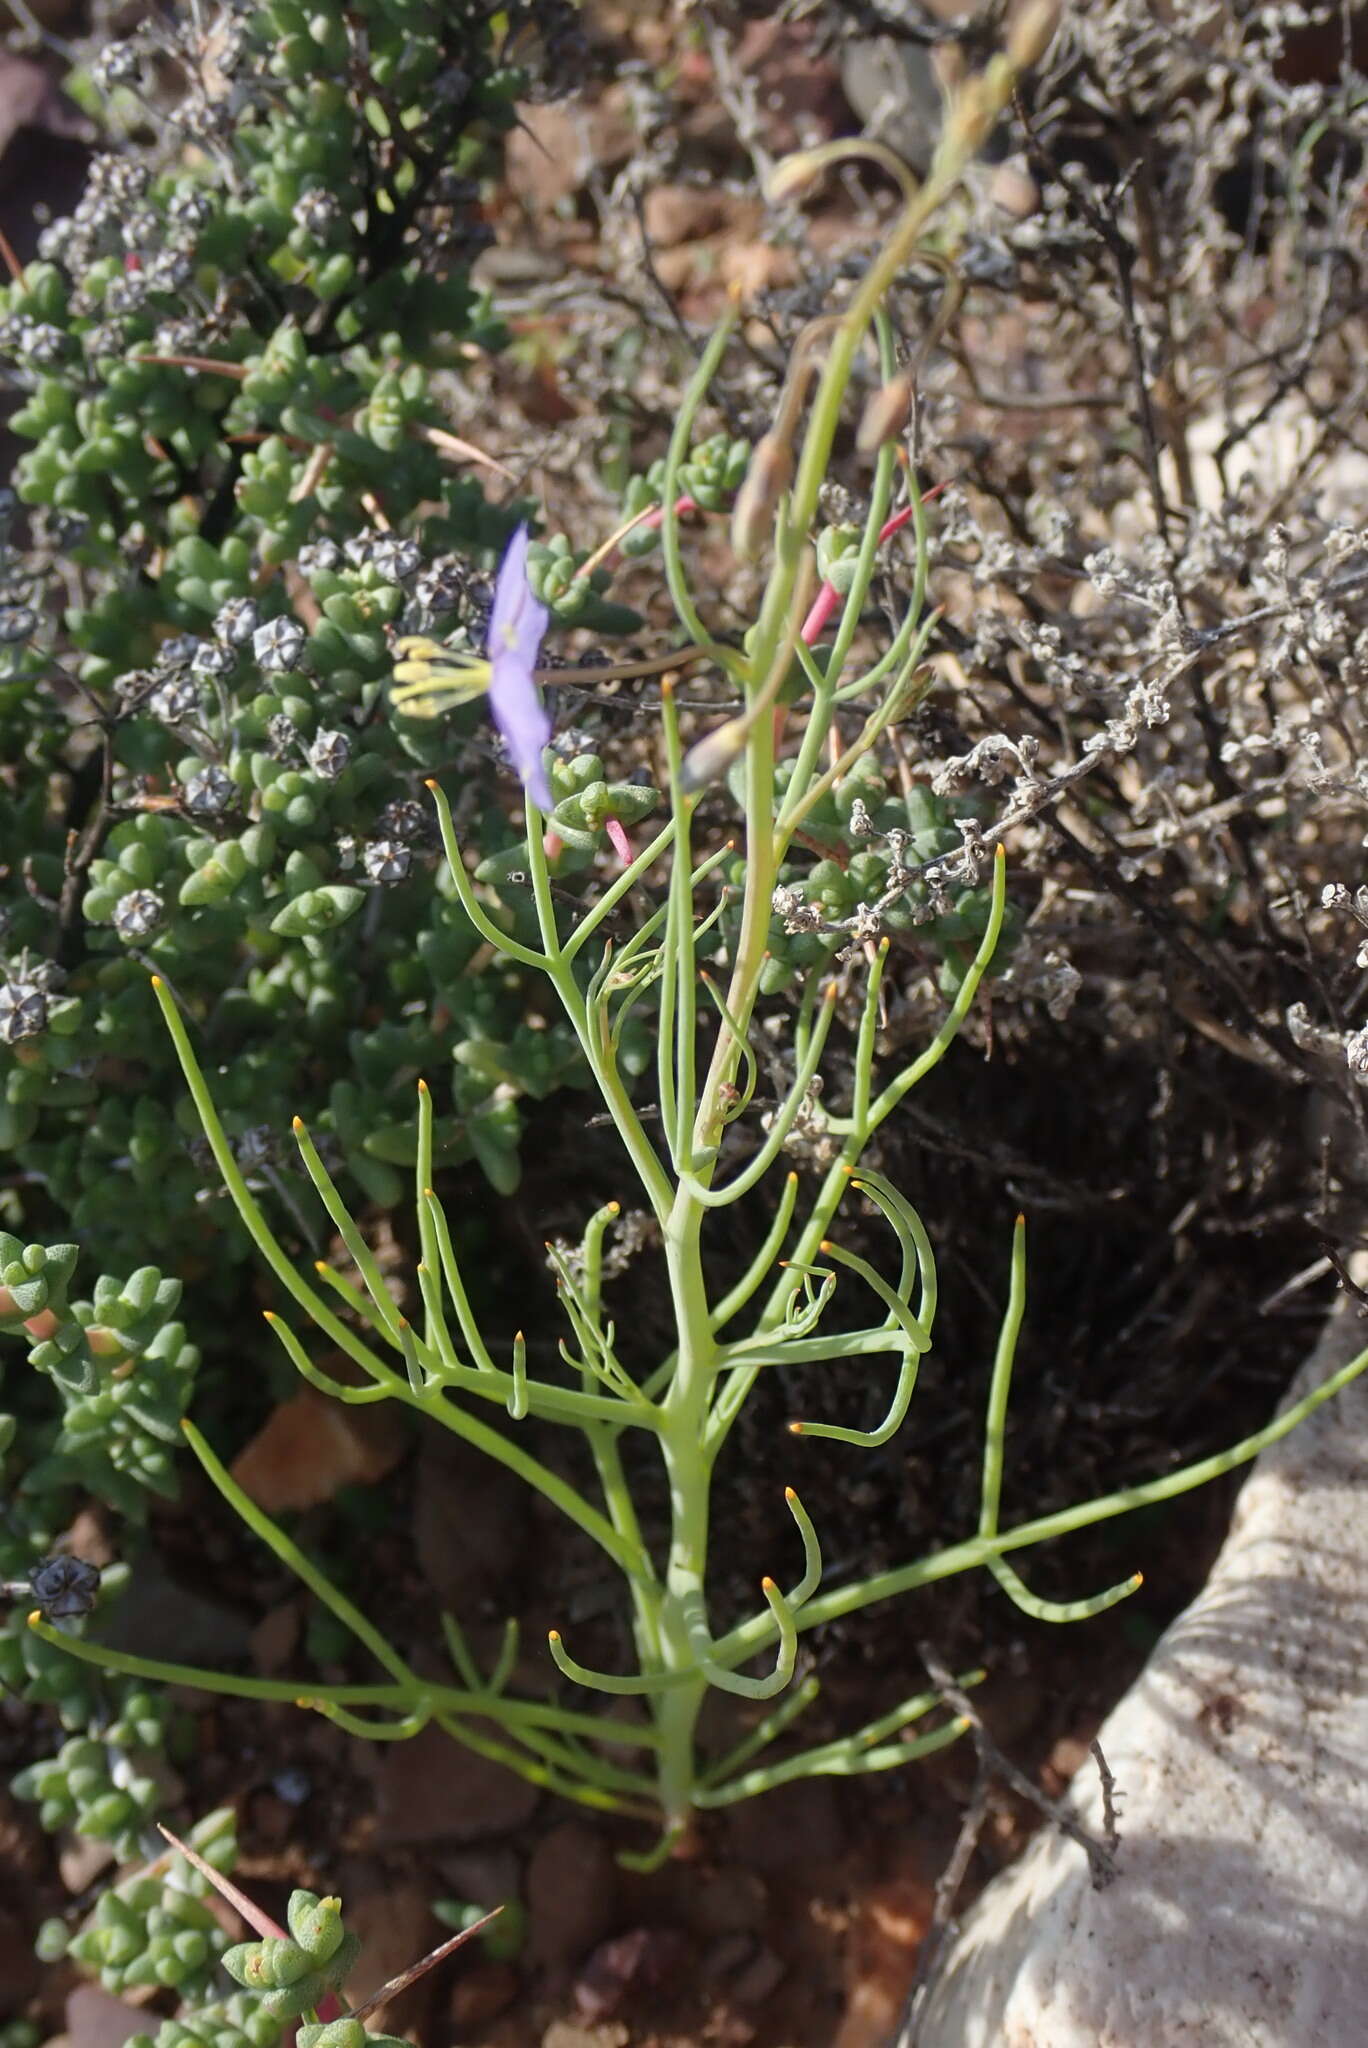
{"type": "Point", "coordinates": [710, 1056]}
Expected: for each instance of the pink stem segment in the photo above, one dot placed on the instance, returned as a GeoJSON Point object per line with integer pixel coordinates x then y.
{"type": "Point", "coordinates": [828, 597]}
{"type": "Point", "coordinates": [622, 845]}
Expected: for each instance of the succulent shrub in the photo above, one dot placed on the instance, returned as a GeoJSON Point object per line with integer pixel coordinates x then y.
{"type": "Point", "coordinates": [227, 365]}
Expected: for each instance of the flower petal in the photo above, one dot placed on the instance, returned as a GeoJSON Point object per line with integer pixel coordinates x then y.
{"type": "Point", "coordinates": [517, 620]}
{"type": "Point", "coordinates": [523, 720]}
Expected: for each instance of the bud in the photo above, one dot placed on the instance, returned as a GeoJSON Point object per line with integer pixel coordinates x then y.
{"type": "Point", "coordinates": [1031, 31]}
{"type": "Point", "coordinates": [316, 1924]}
{"type": "Point", "coordinates": [713, 755]}
{"type": "Point", "coordinates": [769, 476]}
{"type": "Point", "coordinates": [794, 174]}
{"type": "Point", "coordinates": [886, 414]}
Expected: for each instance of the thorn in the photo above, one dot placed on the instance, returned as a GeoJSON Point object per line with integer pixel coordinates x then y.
{"type": "Point", "coordinates": [185, 1424]}
{"type": "Point", "coordinates": [885, 944]}
{"type": "Point", "coordinates": [789, 1493]}
{"type": "Point", "coordinates": [428, 783]}
{"type": "Point", "coordinates": [296, 1123]}
{"type": "Point", "coordinates": [825, 1245]}
{"type": "Point", "coordinates": [1021, 1221]}
{"type": "Point", "coordinates": [1137, 1580]}
{"type": "Point", "coordinates": [269, 1316]}
{"type": "Point", "coordinates": [157, 981]}
{"type": "Point", "coordinates": [795, 1429]}
{"type": "Point", "coordinates": [553, 1635]}
{"type": "Point", "coordinates": [792, 1177]}
{"type": "Point", "coordinates": [767, 1584]}
{"type": "Point", "coordinates": [518, 1337]}
{"type": "Point", "coordinates": [322, 1266]}
{"type": "Point", "coordinates": [423, 1088]}
{"type": "Point", "coordinates": [615, 1208]}
{"type": "Point", "coordinates": [35, 1617]}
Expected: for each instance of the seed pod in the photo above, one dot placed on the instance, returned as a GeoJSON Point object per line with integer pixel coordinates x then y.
{"type": "Point", "coordinates": [886, 414]}
{"type": "Point", "coordinates": [709, 760]}
{"type": "Point", "coordinates": [1031, 31]}
{"type": "Point", "coordinates": [769, 476]}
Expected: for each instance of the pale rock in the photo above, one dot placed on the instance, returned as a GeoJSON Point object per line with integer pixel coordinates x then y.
{"type": "Point", "coordinates": [1240, 1912]}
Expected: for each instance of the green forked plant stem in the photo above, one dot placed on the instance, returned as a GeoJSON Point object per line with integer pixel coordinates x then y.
{"type": "Point", "coordinates": [707, 1153]}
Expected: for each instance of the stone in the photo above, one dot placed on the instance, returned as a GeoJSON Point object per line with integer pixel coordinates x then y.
{"type": "Point", "coordinates": [484, 1875]}
{"type": "Point", "coordinates": [95, 2020]}
{"type": "Point", "coordinates": [684, 213]}
{"type": "Point", "coordinates": [572, 1894]}
{"type": "Point", "coordinates": [728, 1900]}
{"type": "Point", "coordinates": [471, 1525]}
{"type": "Point", "coordinates": [311, 1446]}
{"type": "Point", "coordinates": [434, 1789]}
{"type": "Point", "coordinates": [892, 89]}
{"type": "Point", "coordinates": [157, 1616]}
{"type": "Point", "coordinates": [396, 1929]}
{"type": "Point", "coordinates": [81, 1859]}
{"type": "Point", "coordinates": [761, 1831]}
{"type": "Point", "coordinates": [483, 1990]}
{"type": "Point", "coordinates": [1240, 1911]}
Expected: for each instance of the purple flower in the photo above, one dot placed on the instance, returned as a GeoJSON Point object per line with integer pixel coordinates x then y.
{"type": "Point", "coordinates": [429, 678]}
{"type": "Point", "coordinates": [516, 625]}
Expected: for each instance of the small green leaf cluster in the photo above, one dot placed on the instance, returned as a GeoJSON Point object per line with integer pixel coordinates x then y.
{"type": "Point", "coordinates": [294, 1975]}
{"type": "Point", "coordinates": [235, 496]}
{"type": "Point", "coordinates": [858, 867]}
{"type": "Point", "coordinates": [100, 1786]}
{"type": "Point", "coordinates": [121, 1363]}
{"type": "Point", "coordinates": [124, 1372]}
{"type": "Point", "coordinates": [585, 803]}
{"type": "Point", "coordinates": [155, 1930]}
{"type": "Point", "coordinates": [32, 1669]}
{"type": "Point", "coordinates": [238, 2021]}
{"type": "Point", "coordinates": [711, 475]}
